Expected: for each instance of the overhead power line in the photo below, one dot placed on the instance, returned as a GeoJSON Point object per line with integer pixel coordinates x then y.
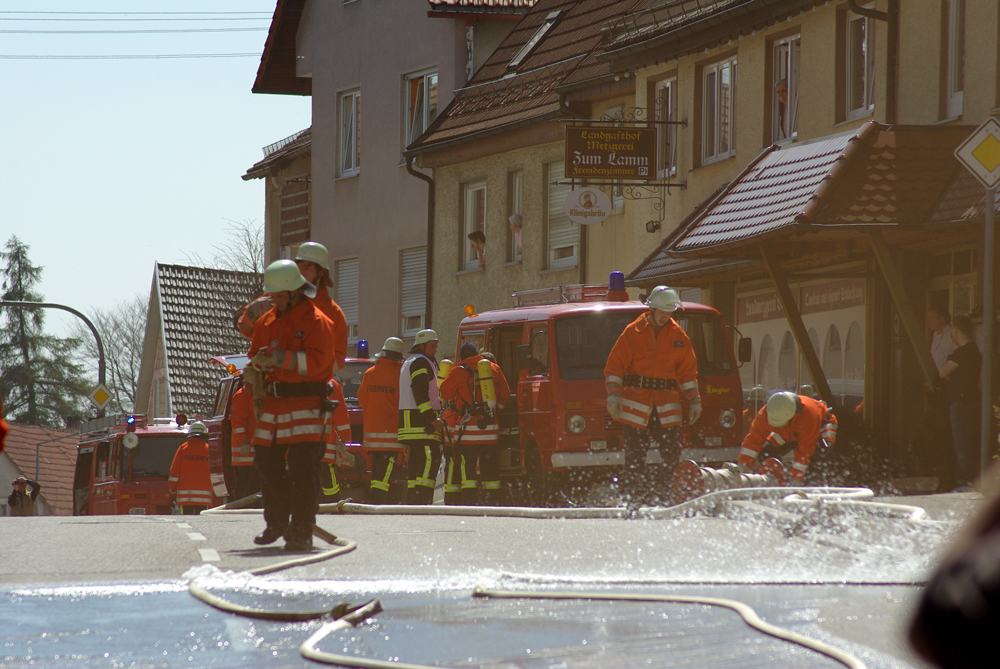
{"type": "Point", "coordinates": [103, 20]}
{"type": "Point", "coordinates": [132, 32]}
{"type": "Point", "coordinates": [127, 13]}
{"type": "Point", "coordinates": [132, 56]}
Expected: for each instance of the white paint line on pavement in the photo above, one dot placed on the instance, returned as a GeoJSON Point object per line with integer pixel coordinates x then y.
{"type": "Point", "coordinates": [209, 555]}
{"type": "Point", "coordinates": [196, 536]}
{"type": "Point", "coordinates": [184, 525]}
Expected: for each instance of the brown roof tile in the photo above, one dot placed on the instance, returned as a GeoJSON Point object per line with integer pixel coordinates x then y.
{"type": "Point", "coordinates": [56, 462]}
{"type": "Point", "coordinates": [280, 152]}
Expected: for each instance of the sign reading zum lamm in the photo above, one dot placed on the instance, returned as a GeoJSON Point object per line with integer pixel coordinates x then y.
{"type": "Point", "coordinates": [610, 153]}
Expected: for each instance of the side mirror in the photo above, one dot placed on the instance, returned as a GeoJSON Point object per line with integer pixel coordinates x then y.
{"type": "Point", "coordinates": [744, 351]}
{"type": "Point", "coordinates": [523, 355]}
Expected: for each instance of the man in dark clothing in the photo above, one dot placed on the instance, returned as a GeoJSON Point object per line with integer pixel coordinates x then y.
{"type": "Point", "coordinates": [962, 371]}
{"type": "Point", "coordinates": [20, 502]}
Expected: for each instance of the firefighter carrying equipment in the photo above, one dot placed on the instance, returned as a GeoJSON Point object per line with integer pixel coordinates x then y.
{"type": "Point", "coordinates": [486, 386]}
{"type": "Point", "coordinates": [425, 336]}
{"type": "Point", "coordinates": [419, 403]}
{"type": "Point", "coordinates": [663, 298]}
{"type": "Point", "coordinates": [314, 252]}
{"type": "Point", "coordinates": [444, 370]}
{"type": "Point", "coordinates": [781, 407]}
{"type": "Point", "coordinates": [378, 395]}
{"type": "Point", "coordinates": [473, 421]}
{"type": "Point", "coordinates": [667, 354]}
{"type": "Point", "coordinates": [190, 476]}
{"type": "Point", "coordinates": [812, 421]}
{"type": "Point", "coordinates": [282, 275]}
{"type": "Point", "coordinates": [243, 421]}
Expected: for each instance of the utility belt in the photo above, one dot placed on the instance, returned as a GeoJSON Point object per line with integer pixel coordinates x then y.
{"type": "Point", "coordinates": [306, 389]}
{"type": "Point", "coordinates": [649, 382]}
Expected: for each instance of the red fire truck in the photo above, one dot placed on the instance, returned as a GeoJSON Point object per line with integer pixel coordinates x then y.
{"type": "Point", "coordinates": [123, 463]}
{"type": "Point", "coordinates": [554, 343]}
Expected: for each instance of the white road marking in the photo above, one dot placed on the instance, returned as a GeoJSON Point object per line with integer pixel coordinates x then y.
{"type": "Point", "coordinates": [209, 555]}
{"type": "Point", "coordinates": [184, 525]}
{"type": "Point", "coordinates": [196, 536]}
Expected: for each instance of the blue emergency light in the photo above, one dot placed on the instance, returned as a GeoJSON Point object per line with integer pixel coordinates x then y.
{"type": "Point", "coordinates": [130, 424]}
{"type": "Point", "coordinates": [616, 281]}
{"type": "Point", "coordinates": [362, 348]}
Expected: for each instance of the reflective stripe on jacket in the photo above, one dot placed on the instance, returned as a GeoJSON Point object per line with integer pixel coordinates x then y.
{"type": "Point", "coordinates": [666, 355]}
{"type": "Point", "coordinates": [304, 332]}
{"type": "Point", "coordinates": [244, 422]}
{"type": "Point", "coordinates": [419, 403]}
{"type": "Point", "coordinates": [462, 389]}
{"type": "Point", "coordinates": [190, 477]}
{"type": "Point", "coordinates": [378, 395]}
{"type": "Point", "coordinates": [811, 422]}
{"type": "Point", "coordinates": [341, 425]}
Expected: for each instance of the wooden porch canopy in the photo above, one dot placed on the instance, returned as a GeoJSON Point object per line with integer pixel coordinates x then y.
{"type": "Point", "coordinates": [830, 199]}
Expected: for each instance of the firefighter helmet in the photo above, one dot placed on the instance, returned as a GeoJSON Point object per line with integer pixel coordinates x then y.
{"type": "Point", "coordinates": [758, 394]}
{"type": "Point", "coordinates": [393, 345]}
{"type": "Point", "coordinates": [425, 336]}
{"type": "Point", "coordinates": [285, 275]}
{"type": "Point", "coordinates": [781, 407]}
{"type": "Point", "coordinates": [807, 390]}
{"type": "Point", "coordinates": [663, 298]}
{"type": "Point", "coordinates": [314, 252]}
{"type": "Point", "coordinates": [198, 428]}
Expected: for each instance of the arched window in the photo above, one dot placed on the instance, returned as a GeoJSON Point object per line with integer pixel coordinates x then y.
{"type": "Point", "coordinates": [767, 372]}
{"type": "Point", "coordinates": [814, 338]}
{"type": "Point", "coordinates": [833, 358]}
{"type": "Point", "coordinates": [786, 362]}
{"type": "Point", "coordinates": [854, 353]}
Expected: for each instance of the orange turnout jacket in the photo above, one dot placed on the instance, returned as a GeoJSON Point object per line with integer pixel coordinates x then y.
{"type": "Point", "coordinates": [812, 421]}
{"type": "Point", "coordinates": [379, 397]}
{"type": "Point", "coordinates": [304, 333]}
{"type": "Point", "coordinates": [244, 423]}
{"type": "Point", "coordinates": [190, 477]}
{"type": "Point", "coordinates": [341, 423]}
{"type": "Point", "coordinates": [652, 371]}
{"type": "Point", "coordinates": [461, 388]}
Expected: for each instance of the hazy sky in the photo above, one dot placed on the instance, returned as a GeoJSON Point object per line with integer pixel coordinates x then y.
{"type": "Point", "coordinates": [112, 164]}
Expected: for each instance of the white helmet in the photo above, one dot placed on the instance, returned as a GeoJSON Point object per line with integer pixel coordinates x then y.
{"type": "Point", "coordinates": [781, 407]}
{"type": "Point", "coordinates": [664, 298]}
{"type": "Point", "coordinates": [314, 252]}
{"type": "Point", "coordinates": [425, 336]}
{"type": "Point", "coordinates": [285, 275]}
{"type": "Point", "coordinates": [394, 345]}
{"type": "Point", "coordinates": [198, 428]}
{"type": "Point", "coordinates": [758, 394]}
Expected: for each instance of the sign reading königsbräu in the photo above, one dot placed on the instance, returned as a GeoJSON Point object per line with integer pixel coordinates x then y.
{"type": "Point", "coordinates": [610, 153]}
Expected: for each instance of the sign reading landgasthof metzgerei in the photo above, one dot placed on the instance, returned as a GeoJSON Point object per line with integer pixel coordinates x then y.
{"type": "Point", "coordinates": [610, 153]}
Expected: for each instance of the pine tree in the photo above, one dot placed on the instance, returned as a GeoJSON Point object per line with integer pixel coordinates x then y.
{"type": "Point", "coordinates": [39, 381]}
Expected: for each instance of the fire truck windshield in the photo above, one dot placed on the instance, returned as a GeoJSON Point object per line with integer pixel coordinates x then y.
{"type": "Point", "coordinates": [153, 455]}
{"type": "Point", "coordinates": [350, 377]}
{"type": "Point", "coordinates": [584, 342]}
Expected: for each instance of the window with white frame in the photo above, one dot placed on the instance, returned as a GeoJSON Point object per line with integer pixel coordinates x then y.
{"type": "Point", "coordinates": [347, 294]}
{"type": "Point", "coordinates": [718, 110]}
{"type": "Point", "coordinates": [473, 221]}
{"type": "Point", "coordinates": [785, 88]}
{"type": "Point", "coordinates": [563, 235]}
{"type": "Point", "coordinates": [420, 93]}
{"type": "Point", "coordinates": [665, 102]}
{"type": "Point", "coordinates": [350, 133]}
{"type": "Point", "coordinates": [954, 54]}
{"type": "Point", "coordinates": [413, 289]}
{"type": "Point", "coordinates": [515, 192]}
{"type": "Point", "coordinates": [859, 66]}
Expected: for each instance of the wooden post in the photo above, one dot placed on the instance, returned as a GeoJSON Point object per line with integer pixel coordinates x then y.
{"type": "Point", "coordinates": [914, 332]}
{"type": "Point", "coordinates": [794, 319]}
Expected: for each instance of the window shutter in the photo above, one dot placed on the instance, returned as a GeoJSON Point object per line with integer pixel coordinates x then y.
{"type": "Point", "coordinates": [295, 210]}
{"type": "Point", "coordinates": [562, 231]}
{"type": "Point", "coordinates": [413, 289]}
{"type": "Point", "coordinates": [347, 294]}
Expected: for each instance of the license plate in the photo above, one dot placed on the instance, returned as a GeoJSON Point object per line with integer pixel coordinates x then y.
{"type": "Point", "coordinates": [713, 441]}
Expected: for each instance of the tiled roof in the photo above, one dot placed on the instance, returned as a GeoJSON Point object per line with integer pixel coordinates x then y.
{"type": "Point", "coordinates": [481, 6]}
{"type": "Point", "coordinates": [197, 310]}
{"type": "Point", "coordinates": [56, 462]}
{"type": "Point", "coordinates": [277, 73]}
{"type": "Point", "coordinates": [882, 175]}
{"type": "Point", "coordinates": [964, 200]}
{"type": "Point", "coordinates": [300, 143]}
{"type": "Point", "coordinates": [497, 98]}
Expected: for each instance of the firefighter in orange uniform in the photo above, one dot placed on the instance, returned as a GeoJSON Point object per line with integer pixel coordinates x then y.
{"type": "Point", "coordinates": [314, 263]}
{"type": "Point", "coordinates": [335, 440]}
{"type": "Point", "coordinates": [378, 395]}
{"type": "Point", "coordinates": [788, 422]}
{"type": "Point", "coordinates": [190, 481]}
{"type": "Point", "coordinates": [291, 345]}
{"type": "Point", "coordinates": [244, 422]}
{"type": "Point", "coordinates": [650, 371]}
{"type": "Point", "coordinates": [474, 429]}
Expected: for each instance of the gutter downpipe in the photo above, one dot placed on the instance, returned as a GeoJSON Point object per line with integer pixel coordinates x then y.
{"type": "Point", "coordinates": [891, 17]}
{"type": "Point", "coordinates": [430, 235]}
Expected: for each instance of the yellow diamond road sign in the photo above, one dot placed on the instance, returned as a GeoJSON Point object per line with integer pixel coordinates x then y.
{"type": "Point", "coordinates": [100, 396]}
{"type": "Point", "coordinates": [980, 153]}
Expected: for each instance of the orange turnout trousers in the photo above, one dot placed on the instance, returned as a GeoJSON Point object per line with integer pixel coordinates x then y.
{"type": "Point", "coordinates": [378, 395]}
{"type": "Point", "coordinates": [190, 478]}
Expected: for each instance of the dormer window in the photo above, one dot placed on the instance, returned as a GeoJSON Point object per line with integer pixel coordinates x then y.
{"type": "Point", "coordinates": [530, 45]}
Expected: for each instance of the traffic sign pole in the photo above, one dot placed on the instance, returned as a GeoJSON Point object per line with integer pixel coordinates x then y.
{"type": "Point", "coordinates": [986, 399]}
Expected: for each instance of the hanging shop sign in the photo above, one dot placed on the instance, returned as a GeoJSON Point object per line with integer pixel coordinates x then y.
{"type": "Point", "coordinates": [587, 206]}
{"type": "Point", "coordinates": [610, 153]}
